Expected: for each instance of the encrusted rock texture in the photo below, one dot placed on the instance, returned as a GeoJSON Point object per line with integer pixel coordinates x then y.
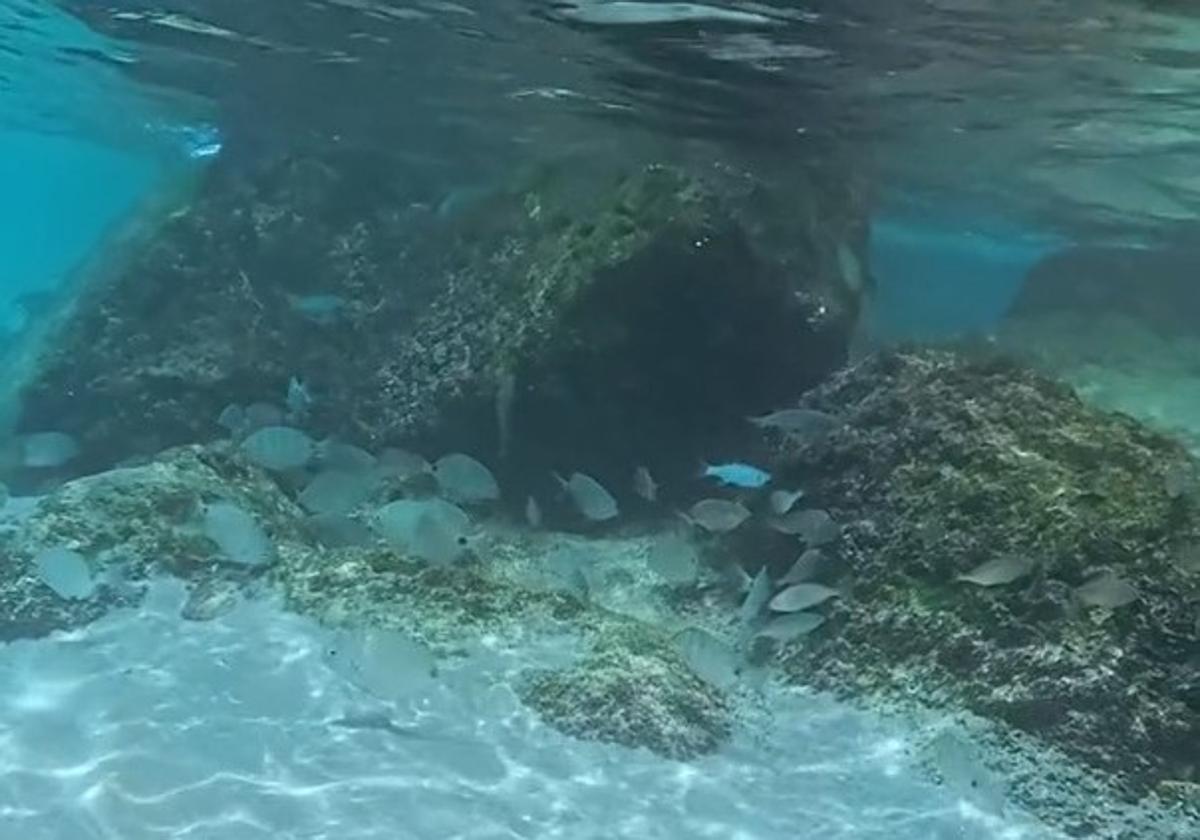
{"type": "Point", "coordinates": [944, 460]}
{"type": "Point", "coordinates": [631, 688]}
{"type": "Point", "coordinates": [608, 302]}
{"type": "Point", "coordinates": [635, 692]}
{"type": "Point", "coordinates": [137, 519]}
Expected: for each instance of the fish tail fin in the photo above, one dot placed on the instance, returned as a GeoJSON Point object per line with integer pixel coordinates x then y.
{"type": "Point", "coordinates": [742, 578]}
{"type": "Point", "coordinates": [320, 448]}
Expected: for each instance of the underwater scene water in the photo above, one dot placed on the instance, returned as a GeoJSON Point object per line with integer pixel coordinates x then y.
{"type": "Point", "coordinates": [599, 419]}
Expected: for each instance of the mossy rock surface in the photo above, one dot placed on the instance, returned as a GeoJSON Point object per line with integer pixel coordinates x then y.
{"type": "Point", "coordinates": [634, 692]}
{"type": "Point", "coordinates": [141, 519]}
{"type": "Point", "coordinates": [944, 461]}
{"type": "Point", "coordinates": [632, 687]}
{"type": "Point", "coordinates": [612, 301]}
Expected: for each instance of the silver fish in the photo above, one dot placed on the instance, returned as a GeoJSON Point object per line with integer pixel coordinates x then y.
{"type": "Point", "coordinates": [1106, 590]}
{"type": "Point", "coordinates": [644, 484]}
{"type": "Point", "coordinates": [674, 559]}
{"type": "Point", "coordinates": [261, 414]}
{"type": "Point", "coordinates": [402, 464]}
{"type": "Point", "coordinates": [710, 657]}
{"type": "Point", "coordinates": [506, 392]}
{"type": "Point", "coordinates": [805, 422]}
{"type": "Point", "coordinates": [320, 309]}
{"type": "Point", "coordinates": [717, 516]}
{"type": "Point", "coordinates": [424, 527]}
{"type": "Point", "coordinates": [999, 570]}
{"type": "Point", "coordinates": [756, 598]}
{"type": "Point", "coordinates": [436, 540]}
{"type": "Point", "coordinates": [66, 572]}
{"type": "Point", "coordinates": [463, 479]}
{"type": "Point", "coordinates": [815, 527]}
{"type": "Point", "coordinates": [781, 501]}
{"type": "Point", "coordinates": [1179, 480]}
{"type": "Point", "coordinates": [337, 491]}
{"type": "Point", "coordinates": [232, 418]}
{"type": "Point", "coordinates": [386, 663]}
{"type": "Point", "coordinates": [802, 596]}
{"type": "Point", "coordinates": [589, 496]}
{"type": "Point", "coordinates": [533, 513]}
{"type": "Point", "coordinates": [850, 267]}
{"type": "Point", "coordinates": [805, 568]}
{"type": "Point", "coordinates": [298, 398]}
{"type": "Point", "coordinates": [279, 448]}
{"type": "Point", "coordinates": [962, 770]}
{"type": "Point", "coordinates": [334, 454]}
{"type": "Point", "coordinates": [785, 628]}
{"type": "Point", "coordinates": [335, 530]}
{"type": "Point", "coordinates": [237, 533]}
{"type": "Point", "coordinates": [376, 720]}
{"type": "Point", "coordinates": [566, 569]}
{"type": "Point", "coordinates": [46, 450]}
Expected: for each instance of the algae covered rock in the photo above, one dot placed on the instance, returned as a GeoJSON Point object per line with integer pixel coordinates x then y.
{"type": "Point", "coordinates": [583, 309]}
{"type": "Point", "coordinates": [633, 692]}
{"type": "Point", "coordinates": [129, 522]}
{"type": "Point", "coordinates": [942, 462]}
{"type": "Point", "coordinates": [1154, 286]}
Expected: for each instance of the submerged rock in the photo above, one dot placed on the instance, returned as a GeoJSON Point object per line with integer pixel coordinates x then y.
{"type": "Point", "coordinates": [633, 692]}
{"type": "Point", "coordinates": [129, 523]}
{"type": "Point", "coordinates": [600, 306]}
{"type": "Point", "coordinates": [1155, 286]}
{"type": "Point", "coordinates": [946, 462]}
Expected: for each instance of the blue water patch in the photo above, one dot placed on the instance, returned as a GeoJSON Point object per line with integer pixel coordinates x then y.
{"type": "Point", "coordinates": [939, 275]}
{"type": "Point", "coordinates": [61, 194]}
{"type": "Point", "coordinates": [80, 147]}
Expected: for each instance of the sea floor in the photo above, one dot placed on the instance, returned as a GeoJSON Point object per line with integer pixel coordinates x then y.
{"type": "Point", "coordinates": [145, 725]}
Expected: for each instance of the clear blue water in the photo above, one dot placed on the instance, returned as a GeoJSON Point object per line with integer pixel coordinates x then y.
{"type": "Point", "coordinates": [44, 175]}
{"type": "Point", "coordinates": [80, 150]}
{"type": "Point", "coordinates": [144, 725]}
{"type": "Point", "coordinates": [950, 275]}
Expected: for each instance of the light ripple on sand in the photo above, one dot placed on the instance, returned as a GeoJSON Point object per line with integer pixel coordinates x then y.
{"type": "Point", "coordinates": [150, 727]}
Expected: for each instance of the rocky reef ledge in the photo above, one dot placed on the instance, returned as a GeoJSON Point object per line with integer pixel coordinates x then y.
{"type": "Point", "coordinates": [943, 463]}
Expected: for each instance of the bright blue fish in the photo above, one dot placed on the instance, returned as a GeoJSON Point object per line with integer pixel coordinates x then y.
{"type": "Point", "coordinates": [737, 474]}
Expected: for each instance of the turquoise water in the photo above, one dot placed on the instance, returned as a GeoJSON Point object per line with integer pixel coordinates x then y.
{"type": "Point", "coordinates": [954, 275]}
{"type": "Point", "coordinates": [63, 194]}
{"type": "Point", "coordinates": [216, 219]}
{"type": "Point", "coordinates": [80, 150]}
